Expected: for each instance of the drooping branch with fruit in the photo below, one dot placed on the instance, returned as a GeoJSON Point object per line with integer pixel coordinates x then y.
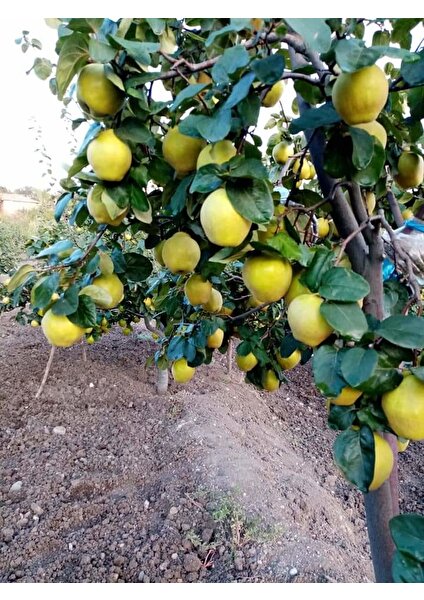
{"type": "Point", "coordinates": [198, 229]}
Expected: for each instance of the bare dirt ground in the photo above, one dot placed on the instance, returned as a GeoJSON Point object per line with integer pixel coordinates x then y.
{"type": "Point", "coordinates": [102, 480]}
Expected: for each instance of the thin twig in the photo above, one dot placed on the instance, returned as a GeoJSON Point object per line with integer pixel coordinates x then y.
{"type": "Point", "coordinates": [248, 312]}
{"type": "Point", "coordinates": [354, 233]}
{"type": "Point", "coordinates": [149, 325]}
{"type": "Point", "coordinates": [46, 373]}
{"type": "Point", "coordinates": [81, 260]}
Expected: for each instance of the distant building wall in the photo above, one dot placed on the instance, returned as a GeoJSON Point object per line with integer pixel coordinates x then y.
{"type": "Point", "coordinates": [10, 204]}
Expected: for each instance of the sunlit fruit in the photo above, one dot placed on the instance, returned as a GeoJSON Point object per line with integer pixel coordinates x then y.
{"type": "Point", "coordinates": [359, 97]}
{"type": "Point", "coordinates": [181, 371]}
{"type": "Point", "coordinates": [404, 408]}
{"type": "Point", "coordinates": [273, 95]}
{"type": "Point", "coordinates": [267, 277]}
{"type": "Point", "coordinates": [5, 300]}
{"type": "Point", "coordinates": [305, 320]}
{"type": "Point", "coordinates": [303, 170]}
{"type": "Point", "coordinates": [410, 169]}
{"type": "Point", "coordinates": [181, 151]}
{"type": "Point", "coordinates": [290, 361]}
{"type": "Point", "coordinates": [34, 323]}
{"type": "Point", "coordinates": [282, 152]}
{"type": "Point", "coordinates": [246, 363]}
{"type": "Point", "coordinates": [127, 236]}
{"type": "Point", "coordinates": [217, 153]}
{"type": "Point", "coordinates": [214, 304]}
{"type": "Point", "coordinates": [323, 227]}
{"type": "Point", "coordinates": [181, 253]}
{"type": "Point", "coordinates": [113, 286]}
{"type": "Point", "coordinates": [158, 252]}
{"type": "Point", "coordinates": [60, 331]}
{"type": "Point", "coordinates": [197, 289]}
{"type": "Point", "coordinates": [215, 339]}
{"type": "Point", "coordinates": [402, 444]}
{"type": "Point", "coordinates": [383, 464]}
{"type": "Point", "coordinates": [296, 289]}
{"type": "Point", "coordinates": [90, 340]}
{"type": "Point", "coordinates": [222, 224]}
{"type": "Point", "coordinates": [347, 397]}
{"type": "Point", "coordinates": [257, 24]}
{"type": "Point", "coordinates": [270, 381]}
{"type": "Point", "coordinates": [407, 214]}
{"type": "Point", "coordinates": [272, 228]}
{"type": "Point", "coordinates": [109, 157]}
{"type": "Point", "coordinates": [370, 202]}
{"type": "Point", "coordinates": [375, 129]}
{"type": "Point", "coordinates": [96, 94]}
{"type": "Point", "coordinates": [99, 203]}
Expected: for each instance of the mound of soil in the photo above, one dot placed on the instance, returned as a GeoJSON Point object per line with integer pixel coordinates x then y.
{"type": "Point", "coordinates": [103, 480]}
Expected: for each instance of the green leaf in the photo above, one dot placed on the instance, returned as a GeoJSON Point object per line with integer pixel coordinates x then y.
{"type": "Point", "coordinates": [289, 249]}
{"type": "Point", "coordinates": [215, 128]}
{"type": "Point", "coordinates": [97, 294]}
{"type": "Point", "coordinates": [315, 117]}
{"type": "Point", "coordinates": [343, 285]}
{"type": "Point", "coordinates": [406, 331]}
{"type": "Point", "coordinates": [178, 199]}
{"type": "Point", "coordinates": [269, 70]}
{"type": "Point", "coordinates": [363, 147]}
{"type": "Point", "coordinates": [315, 32]}
{"type": "Point", "coordinates": [78, 164]}
{"type": "Point", "coordinates": [408, 535]}
{"type": "Point", "coordinates": [310, 93]}
{"type": "Point", "coordinates": [341, 417]}
{"type": "Point", "coordinates": [132, 130]}
{"type": "Point", "coordinates": [42, 68]}
{"type": "Point", "coordinates": [352, 55]}
{"type": "Point", "coordinates": [383, 379]}
{"type": "Point", "coordinates": [139, 51]}
{"type": "Point", "coordinates": [139, 199]}
{"type": "Point", "coordinates": [236, 25]}
{"type": "Point", "coordinates": [85, 25]}
{"type": "Point", "coordinates": [73, 56]}
{"type": "Point", "coordinates": [140, 175]}
{"type": "Point", "coordinates": [187, 93]}
{"type": "Point", "coordinates": [116, 199]}
{"type": "Point", "coordinates": [251, 198]}
{"type": "Point", "coordinates": [56, 248]}
{"type": "Point", "coordinates": [175, 348]}
{"type": "Point", "coordinates": [68, 303]}
{"type": "Point", "coordinates": [206, 180]}
{"type": "Point", "coordinates": [288, 345]}
{"type": "Point", "coordinates": [157, 25]}
{"type": "Point", "coordinates": [338, 156]}
{"type": "Point", "coordinates": [354, 454]}
{"type": "Point", "coordinates": [371, 174]}
{"type": "Point", "coordinates": [239, 92]}
{"type": "Point", "coordinates": [416, 102]}
{"type": "Point", "coordinates": [413, 72]}
{"type": "Point", "coordinates": [358, 365]}
{"type": "Point", "coordinates": [85, 315]}
{"type": "Point", "coordinates": [346, 318]}
{"type": "Point", "coordinates": [406, 569]}
{"type": "Point", "coordinates": [325, 367]}
{"type": "Point", "coordinates": [418, 372]}
{"type": "Point", "coordinates": [41, 293]}
{"type": "Point", "coordinates": [138, 267]}
{"type": "Point", "coordinates": [234, 58]}
{"type": "Point", "coordinates": [248, 168]}
{"type": "Point", "coordinates": [160, 171]}
{"type": "Point", "coordinates": [22, 275]}
{"type": "Point", "coordinates": [320, 264]}
{"type": "Point", "coordinates": [61, 205]}
{"type": "Point", "coordinates": [401, 29]}
{"type": "Point", "coordinates": [248, 109]}
{"type": "Point", "coordinates": [100, 52]}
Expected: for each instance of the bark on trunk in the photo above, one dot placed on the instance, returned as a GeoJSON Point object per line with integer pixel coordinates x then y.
{"type": "Point", "coordinates": [162, 380]}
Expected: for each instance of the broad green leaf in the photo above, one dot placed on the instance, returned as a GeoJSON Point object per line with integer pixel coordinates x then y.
{"type": "Point", "coordinates": [321, 262]}
{"type": "Point", "coordinates": [206, 180]}
{"type": "Point", "coordinates": [97, 294]}
{"type": "Point", "coordinates": [288, 345]}
{"type": "Point", "coordinates": [57, 248]}
{"type": "Point", "coordinates": [251, 198]}
{"type": "Point", "coordinates": [240, 91]}
{"type": "Point", "coordinates": [346, 318]}
{"type": "Point", "coordinates": [85, 25]}
{"type": "Point", "coordinates": [186, 94]}
{"type": "Point", "coordinates": [42, 68]}
{"type": "Point", "coordinates": [178, 200]}
{"type": "Point", "coordinates": [341, 417]}
{"type": "Point", "coordinates": [325, 367]}
{"type": "Point", "coordinates": [234, 58]}
{"type": "Point", "coordinates": [22, 275]}
{"type": "Point", "coordinates": [85, 315]}
{"type": "Point", "coordinates": [338, 156]}
{"type": "Point", "coordinates": [352, 55]}
{"type": "Point", "coordinates": [269, 70]}
{"type": "Point", "coordinates": [132, 130]}
{"type": "Point", "coordinates": [68, 303]}
{"type": "Point", "coordinates": [315, 117]}
{"type": "Point", "coordinates": [406, 331]}
{"type": "Point", "coordinates": [139, 200]}
{"type": "Point", "coordinates": [157, 25]}
{"type": "Point", "coordinates": [418, 372]}
{"type": "Point", "coordinates": [408, 535]}
{"type": "Point", "coordinates": [78, 164]}
{"type": "Point", "coordinates": [144, 216]}
{"type": "Point", "coordinates": [343, 285]}
{"type": "Point", "coordinates": [101, 52]}
{"type": "Point", "coordinates": [355, 456]}
{"type": "Point", "coordinates": [371, 174]}
{"type": "Point", "coordinates": [248, 109]}
{"type": "Point", "coordinates": [289, 249]}
{"type": "Point", "coordinates": [113, 210]}
{"type": "Point", "coordinates": [358, 365]}
{"type": "Point", "coordinates": [61, 205]}
{"type": "Point", "coordinates": [416, 103]}
{"type": "Point", "coordinates": [139, 51]}
{"type": "Point", "coordinates": [73, 56]}
{"type": "Point", "coordinates": [401, 31]}
{"type": "Point", "coordinates": [383, 379]}
{"type": "Point", "coordinates": [248, 168]}
{"type": "Point", "coordinates": [235, 25]}
{"type": "Point", "coordinates": [215, 128]}
{"type": "Point", "coordinates": [140, 175]}
{"type": "Point", "coordinates": [413, 72]}
{"type": "Point", "coordinates": [363, 147]}
{"type": "Point", "coordinates": [41, 293]}
{"type": "Point", "coordinates": [315, 32]}
{"type": "Point", "coordinates": [138, 267]}
{"type": "Point", "coordinates": [406, 570]}
{"type": "Point", "coordinates": [116, 198]}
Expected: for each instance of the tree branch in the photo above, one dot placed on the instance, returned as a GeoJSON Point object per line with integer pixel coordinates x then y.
{"type": "Point", "coordinates": [81, 260]}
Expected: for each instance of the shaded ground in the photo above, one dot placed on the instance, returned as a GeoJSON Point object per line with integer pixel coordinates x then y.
{"type": "Point", "coordinates": [103, 480]}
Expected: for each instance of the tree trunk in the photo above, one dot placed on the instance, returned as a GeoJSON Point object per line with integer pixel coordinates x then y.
{"type": "Point", "coordinates": [162, 379]}
{"type": "Point", "coordinates": [365, 252]}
